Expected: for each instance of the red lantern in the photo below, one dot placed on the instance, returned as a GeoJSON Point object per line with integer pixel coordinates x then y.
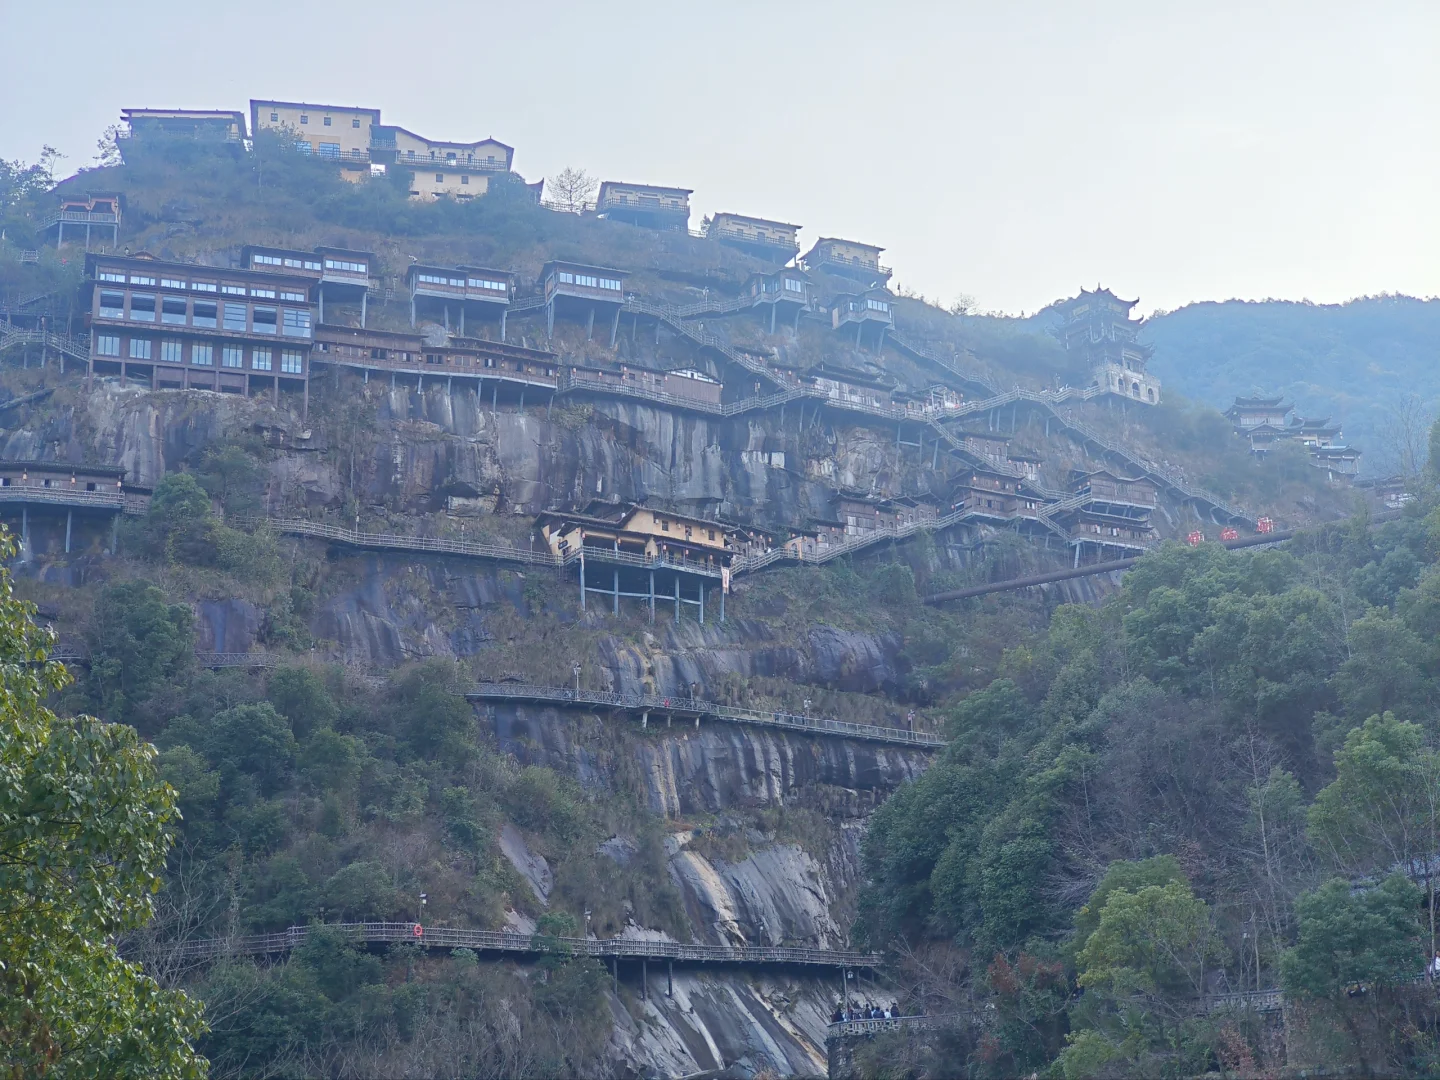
{"type": "Point", "coordinates": [1264, 525]}
{"type": "Point", "coordinates": [1195, 539]}
{"type": "Point", "coordinates": [1229, 533]}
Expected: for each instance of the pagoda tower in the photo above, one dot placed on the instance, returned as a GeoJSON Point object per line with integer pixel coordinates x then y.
{"type": "Point", "coordinates": [1097, 327]}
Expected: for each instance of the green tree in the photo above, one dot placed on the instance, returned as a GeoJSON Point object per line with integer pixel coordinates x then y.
{"type": "Point", "coordinates": [179, 523]}
{"type": "Point", "coordinates": [139, 645]}
{"type": "Point", "coordinates": [298, 695]}
{"type": "Point", "coordinates": [84, 829]}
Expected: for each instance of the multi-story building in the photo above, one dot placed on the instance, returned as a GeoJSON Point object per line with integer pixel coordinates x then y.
{"type": "Point", "coordinates": [990, 494]}
{"type": "Point", "coordinates": [486, 292]}
{"type": "Point", "coordinates": [761, 237]}
{"type": "Point", "coordinates": [1261, 420]}
{"type": "Point", "coordinates": [847, 258]}
{"type": "Point", "coordinates": [1097, 327]}
{"type": "Point", "coordinates": [214, 125]}
{"type": "Point", "coordinates": [342, 132]}
{"type": "Point", "coordinates": [337, 273]}
{"type": "Point", "coordinates": [52, 489]}
{"type": "Point", "coordinates": [574, 287]}
{"type": "Point", "coordinates": [181, 325]}
{"type": "Point", "coordinates": [786, 292]}
{"type": "Point", "coordinates": [846, 386]}
{"type": "Point", "coordinates": [871, 313]}
{"type": "Point", "coordinates": [94, 211]}
{"type": "Point", "coordinates": [462, 170]}
{"type": "Point", "coordinates": [684, 387]}
{"type": "Point", "coordinates": [1108, 515]}
{"type": "Point", "coordinates": [666, 208]}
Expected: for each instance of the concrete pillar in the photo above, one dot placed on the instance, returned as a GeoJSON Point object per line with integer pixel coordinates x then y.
{"type": "Point", "coordinates": [614, 327]}
{"type": "Point", "coordinates": [590, 322]}
{"type": "Point", "coordinates": [321, 290]}
{"type": "Point", "coordinates": [582, 579]}
{"type": "Point", "coordinates": [677, 598]}
{"type": "Point", "coordinates": [412, 311]}
{"type": "Point", "coordinates": [644, 979]}
{"type": "Point", "coordinates": [652, 596]}
{"type": "Point", "coordinates": [615, 585]}
{"type": "Point", "coordinates": [549, 320]}
{"type": "Point", "coordinates": [447, 318]}
{"type": "Point", "coordinates": [69, 521]}
{"type": "Point", "coordinates": [502, 324]}
{"type": "Point", "coordinates": [114, 533]}
{"type": "Point", "coordinates": [25, 528]}
{"type": "Point", "coordinates": [702, 601]}
{"type": "Point", "coordinates": [670, 985]}
{"type": "Point", "coordinates": [364, 303]}
{"type": "Point", "coordinates": [462, 318]}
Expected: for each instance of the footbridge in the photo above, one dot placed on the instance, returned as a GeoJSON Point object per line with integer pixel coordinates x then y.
{"type": "Point", "coordinates": [694, 708]}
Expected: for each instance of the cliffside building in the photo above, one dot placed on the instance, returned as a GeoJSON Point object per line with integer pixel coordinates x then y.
{"type": "Point", "coordinates": [1097, 328]}
{"type": "Point", "coordinates": [180, 325]}
{"type": "Point", "coordinates": [340, 273]}
{"type": "Point", "coordinates": [1108, 516]}
{"type": "Point", "coordinates": [575, 287]}
{"type": "Point", "coordinates": [761, 237]}
{"type": "Point", "coordinates": [487, 293]}
{"type": "Point", "coordinates": [847, 258]}
{"type": "Point", "coordinates": [461, 170]}
{"type": "Point", "coordinates": [785, 292]}
{"type": "Point", "coordinates": [58, 488]}
{"type": "Point", "coordinates": [665, 208]}
{"type": "Point", "coordinates": [342, 132]}
{"type": "Point", "coordinates": [94, 212]}
{"type": "Point", "coordinates": [1261, 420]}
{"type": "Point", "coordinates": [871, 313]}
{"type": "Point", "coordinates": [493, 369]}
{"type": "Point", "coordinates": [205, 125]}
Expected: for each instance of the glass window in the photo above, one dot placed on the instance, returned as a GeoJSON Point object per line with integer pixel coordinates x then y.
{"type": "Point", "coordinates": [204, 314]}
{"type": "Point", "coordinates": [302, 147]}
{"type": "Point", "coordinates": [610, 283]}
{"type": "Point", "coordinates": [329, 149]}
{"type": "Point", "coordinates": [203, 286]}
{"type": "Point", "coordinates": [172, 310]}
{"type": "Point", "coordinates": [172, 352]}
{"type": "Point", "coordinates": [140, 279]}
{"type": "Point", "coordinates": [112, 305]}
{"type": "Point", "coordinates": [312, 265]}
{"type": "Point", "coordinates": [266, 260]}
{"type": "Point", "coordinates": [139, 349]}
{"type": "Point", "coordinates": [439, 177]}
{"type": "Point", "coordinates": [792, 285]}
{"type": "Point", "coordinates": [355, 122]}
{"type": "Point", "coordinates": [235, 317]}
{"type": "Point", "coordinates": [297, 297]}
{"type": "Point", "coordinates": [340, 264]}
{"type": "Point", "coordinates": [464, 179]}
{"type": "Point", "coordinates": [327, 121]}
{"type": "Point", "coordinates": [267, 294]}
{"type": "Point", "coordinates": [110, 275]}
{"type": "Point", "coordinates": [274, 118]}
{"type": "Point", "coordinates": [107, 345]}
{"type": "Point", "coordinates": [203, 355]}
{"type": "Point", "coordinates": [233, 290]}
{"type": "Point", "coordinates": [171, 283]}
{"type": "Point", "coordinates": [260, 359]}
{"type": "Point", "coordinates": [142, 307]}
{"type": "Point", "coordinates": [304, 119]}
{"type": "Point", "coordinates": [297, 323]}
{"type": "Point", "coordinates": [264, 320]}
{"type": "Point", "coordinates": [292, 362]}
{"type": "Point", "coordinates": [232, 356]}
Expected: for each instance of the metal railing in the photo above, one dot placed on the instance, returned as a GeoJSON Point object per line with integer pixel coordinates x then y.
{"type": "Point", "coordinates": [396, 542]}
{"type": "Point", "coordinates": [62, 496]}
{"type": "Point", "coordinates": [79, 217]}
{"type": "Point", "coordinates": [672, 316]}
{"type": "Point", "coordinates": [697, 708]}
{"type": "Point", "coordinates": [236, 660]}
{"type": "Point", "coordinates": [1251, 1000]}
{"type": "Point", "coordinates": [446, 937]}
{"type": "Point", "coordinates": [843, 1028]}
{"type": "Point", "coordinates": [659, 561]}
{"type": "Point", "coordinates": [12, 335]}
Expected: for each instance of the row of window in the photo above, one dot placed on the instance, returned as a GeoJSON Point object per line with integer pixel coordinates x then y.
{"type": "Point", "coordinates": [351, 267]}
{"type": "Point", "coordinates": [305, 119]}
{"type": "Point", "coordinates": [280, 260]}
{"type": "Point", "coordinates": [440, 178]}
{"type": "Point", "coordinates": [207, 314]}
{"type": "Point", "coordinates": [460, 283]}
{"type": "Point", "coordinates": [588, 280]}
{"type": "Point", "coordinates": [228, 288]}
{"type": "Point", "coordinates": [171, 351]}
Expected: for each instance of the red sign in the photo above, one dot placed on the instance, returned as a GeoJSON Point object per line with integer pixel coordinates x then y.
{"type": "Point", "coordinates": [1195, 539]}
{"type": "Point", "coordinates": [1264, 525]}
{"type": "Point", "coordinates": [1228, 533]}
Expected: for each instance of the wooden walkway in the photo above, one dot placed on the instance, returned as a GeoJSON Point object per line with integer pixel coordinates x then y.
{"type": "Point", "coordinates": [493, 941]}
{"type": "Point", "coordinates": [696, 709]}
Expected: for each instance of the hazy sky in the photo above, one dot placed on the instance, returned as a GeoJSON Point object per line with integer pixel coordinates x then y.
{"type": "Point", "coordinates": [1007, 150]}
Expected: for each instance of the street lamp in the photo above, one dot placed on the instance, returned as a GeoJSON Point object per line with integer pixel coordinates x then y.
{"type": "Point", "coordinates": [587, 922]}
{"type": "Point", "coordinates": [575, 670]}
{"type": "Point", "coordinates": [423, 898]}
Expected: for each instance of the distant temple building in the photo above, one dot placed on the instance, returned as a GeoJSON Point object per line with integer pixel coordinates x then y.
{"type": "Point", "coordinates": [1265, 421]}
{"type": "Point", "coordinates": [1098, 327]}
{"type": "Point", "coordinates": [95, 213]}
{"type": "Point", "coordinates": [847, 258]}
{"type": "Point", "coordinates": [761, 237]}
{"type": "Point", "coordinates": [665, 208]}
{"type": "Point", "coordinates": [1262, 420]}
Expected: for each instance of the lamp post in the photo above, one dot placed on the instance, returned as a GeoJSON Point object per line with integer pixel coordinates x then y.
{"type": "Point", "coordinates": [587, 922]}
{"type": "Point", "coordinates": [424, 897]}
{"type": "Point", "coordinates": [575, 670]}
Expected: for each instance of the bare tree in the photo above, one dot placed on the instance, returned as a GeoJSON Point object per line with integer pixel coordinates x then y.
{"type": "Point", "coordinates": [570, 190]}
{"type": "Point", "coordinates": [1405, 444]}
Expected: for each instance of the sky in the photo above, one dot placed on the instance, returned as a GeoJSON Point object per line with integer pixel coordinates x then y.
{"type": "Point", "coordinates": [1009, 152]}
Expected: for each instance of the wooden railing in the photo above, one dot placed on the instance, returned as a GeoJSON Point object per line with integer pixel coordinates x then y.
{"type": "Point", "coordinates": [694, 707]}
{"type": "Point", "coordinates": [446, 937]}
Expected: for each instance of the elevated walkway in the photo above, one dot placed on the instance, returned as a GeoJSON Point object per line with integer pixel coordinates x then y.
{"type": "Point", "coordinates": [492, 941]}
{"type": "Point", "coordinates": [698, 709]}
{"type": "Point", "coordinates": [851, 1028]}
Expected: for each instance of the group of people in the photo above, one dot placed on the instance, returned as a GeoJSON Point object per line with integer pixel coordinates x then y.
{"type": "Point", "coordinates": [855, 1011]}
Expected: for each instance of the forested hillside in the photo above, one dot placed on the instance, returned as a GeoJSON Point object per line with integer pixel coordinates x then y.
{"type": "Point", "coordinates": [1357, 362]}
{"type": "Point", "coordinates": [1213, 782]}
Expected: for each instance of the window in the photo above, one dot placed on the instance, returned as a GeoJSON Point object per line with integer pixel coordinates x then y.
{"type": "Point", "coordinates": [464, 179]}
{"type": "Point", "coordinates": [107, 345]}
{"type": "Point", "coordinates": [266, 294]}
{"type": "Point", "coordinates": [204, 313]}
{"type": "Point", "coordinates": [110, 275]}
{"type": "Point", "coordinates": [355, 122]}
{"type": "Point", "coordinates": [410, 154]}
{"type": "Point", "coordinates": [203, 286]}
{"type": "Point", "coordinates": [112, 305]}
{"type": "Point", "coordinates": [588, 280]}
{"type": "Point", "coordinates": [329, 149]}
{"type": "Point", "coordinates": [202, 355]}
{"type": "Point", "coordinates": [274, 118]}
{"type": "Point", "coordinates": [172, 352]}
{"type": "Point", "coordinates": [137, 279]}
{"type": "Point", "coordinates": [439, 177]}
{"type": "Point", "coordinates": [296, 297]}
{"type": "Point", "coordinates": [304, 119]}
{"type": "Point", "coordinates": [292, 362]}
{"type": "Point", "coordinates": [327, 121]}
{"type": "Point", "coordinates": [235, 317]}
{"type": "Point", "coordinates": [264, 320]}
{"type": "Point", "coordinates": [877, 305]}
{"type": "Point", "coordinates": [792, 285]}
{"type": "Point", "coordinates": [171, 283]}
{"type": "Point", "coordinates": [311, 265]}
{"type": "Point", "coordinates": [172, 310]}
{"type": "Point", "coordinates": [142, 307]}
{"type": "Point", "coordinates": [450, 157]}
{"type": "Point", "coordinates": [302, 147]}
{"type": "Point", "coordinates": [485, 283]}
{"type": "Point", "coordinates": [232, 356]}
{"type": "Point", "coordinates": [139, 349]}
{"type": "Point", "coordinates": [233, 290]}
{"type": "Point", "coordinates": [297, 323]}
{"type": "Point", "coordinates": [340, 264]}
{"type": "Point", "coordinates": [260, 359]}
{"type": "Point", "coordinates": [266, 260]}
{"type": "Point", "coordinates": [295, 263]}
{"type": "Point", "coordinates": [610, 283]}
{"type": "Point", "coordinates": [490, 160]}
